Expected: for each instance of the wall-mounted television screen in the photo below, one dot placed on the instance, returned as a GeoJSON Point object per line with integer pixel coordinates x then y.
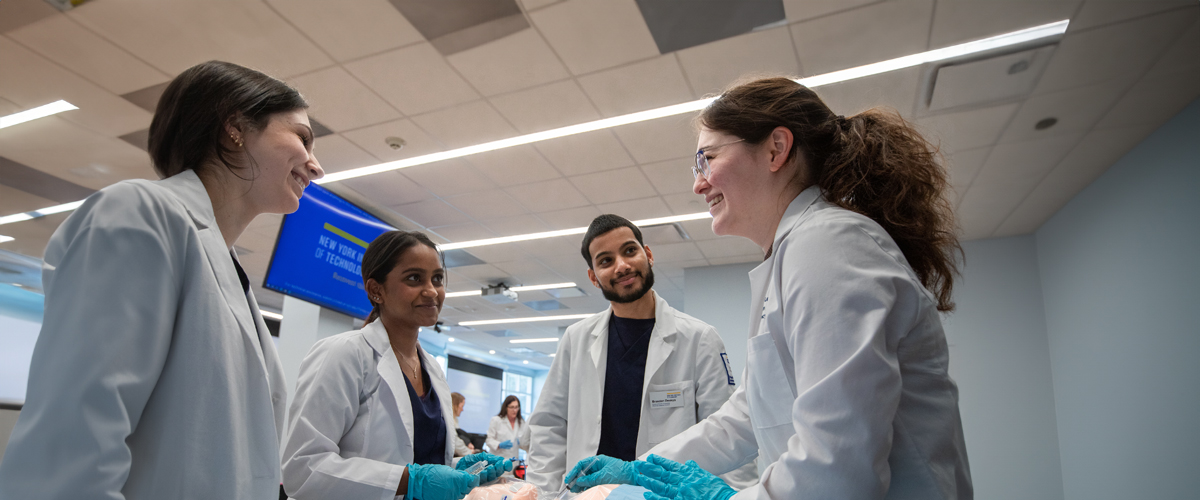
{"type": "Point", "coordinates": [318, 255]}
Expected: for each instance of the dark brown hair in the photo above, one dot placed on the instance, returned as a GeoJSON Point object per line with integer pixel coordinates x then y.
{"type": "Point", "coordinates": [603, 224]}
{"type": "Point", "coordinates": [383, 254]}
{"type": "Point", "coordinates": [504, 407]}
{"type": "Point", "coordinates": [189, 122]}
{"type": "Point", "coordinates": [874, 163]}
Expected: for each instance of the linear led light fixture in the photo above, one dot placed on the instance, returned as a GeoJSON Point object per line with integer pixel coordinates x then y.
{"type": "Point", "coordinates": [522, 320]}
{"type": "Point", "coordinates": [1007, 39]}
{"type": "Point", "coordinates": [567, 232]}
{"type": "Point", "coordinates": [65, 207]}
{"type": "Point", "coordinates": [533, 341]}
{"type": "Point", "coordinates": [529, 288]}
{"type": "Point", "coordinates": [1027, 35]}
{"type": "Point", "coordinates": [6, 239]}
{"type": "Point", "coordinates": [39, 112]}
{"type": "Point", "coordinates": [269, 314]}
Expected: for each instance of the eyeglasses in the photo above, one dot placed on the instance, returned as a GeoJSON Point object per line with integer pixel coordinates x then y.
{"type": "Point", "coordinates": [701, 167]}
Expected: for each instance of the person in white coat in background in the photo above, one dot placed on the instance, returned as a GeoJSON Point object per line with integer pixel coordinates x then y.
{"type": "Point", "coordinates": [372, 416]}
{"type": "Point", "coordinates": [847, 393]}
{"type": "Point", "coordinates": [630, 377]}
{"type": "Point", "coordinates": [154, 375]}
{"type": "Point", "coordinates": [507, 431]}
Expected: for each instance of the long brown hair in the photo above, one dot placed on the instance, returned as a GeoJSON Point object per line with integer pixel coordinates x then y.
{"type": "Point", "coordinates": [504, 408]}
{"type": "Point", "coordinates": [874, 163]}
{"type": "Point", "coordinates": [382, 255]}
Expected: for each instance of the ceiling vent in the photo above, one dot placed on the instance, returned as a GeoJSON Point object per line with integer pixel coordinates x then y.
{"type": "Point", "coordinates": [987, 81]}
{"type": "Point", "coordinates": [664, 234]}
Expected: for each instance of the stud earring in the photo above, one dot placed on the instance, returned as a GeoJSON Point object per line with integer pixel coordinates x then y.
{"type": "Point", "coordinates": [236, 140]}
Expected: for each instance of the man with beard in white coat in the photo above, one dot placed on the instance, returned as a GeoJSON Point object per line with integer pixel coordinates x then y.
{"type": "Point", "coordinates": [629, 377]}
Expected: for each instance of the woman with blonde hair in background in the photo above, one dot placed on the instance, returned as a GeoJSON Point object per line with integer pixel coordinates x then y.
{"type": "Point", "coordinates": [461, 447]}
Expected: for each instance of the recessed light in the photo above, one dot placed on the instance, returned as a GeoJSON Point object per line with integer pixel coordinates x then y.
{"type": "Point", "coordinates": [1045, 123]}
{"type": "Point", "coordinates": [525, 361]}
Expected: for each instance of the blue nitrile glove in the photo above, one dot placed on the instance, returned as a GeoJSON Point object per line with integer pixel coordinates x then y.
{"type": "Point", "coordinates": [438, 482]}
{"type": "Point", "coordinates": [496, 465]}
{"type": "Point", "coordinates": [669, 480]}
{"type": "Point", "coordinates": [604, 470]}
{"type": "Point", "coordinates": [504, 445]}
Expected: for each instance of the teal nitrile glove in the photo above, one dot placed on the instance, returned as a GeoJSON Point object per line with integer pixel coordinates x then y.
{"type": "Point", "coordinates": [496, 465]}
{"type": "Point", "coordinates": [504, 445]}
{"type": "Point", "coordinates": [438, 482]}
{"type": "Point", "coordinates": [670, 480]}
{"type": "Point", "coordinates": [605, 470]}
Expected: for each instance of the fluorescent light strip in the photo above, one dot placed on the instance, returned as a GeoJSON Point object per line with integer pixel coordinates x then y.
{"type": "Point", "coordinates": [35, 113]}
{"type": "Point", "coordinates": [1013, 38]}
{"type": "Point", "coordinates": [269, 314]}
{"type": "Point", "coordinates": [533, 341]}
{"type": "Point", "coordinates": [6, 239]}
{"type": "Point", "coordinates": [963, 49]}
{"type": "Point", "coordinates": [567, 232]}
{"type": "Point", "coordinates": [65, 207]}
{"type": "Point", "coordinates": [529, 288]}
{"type": "Point", "coordinates": [522, 320]}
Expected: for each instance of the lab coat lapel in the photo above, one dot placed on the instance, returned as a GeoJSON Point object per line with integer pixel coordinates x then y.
{"type": "Point", "coordinates": [600, 341]}
{"type": "Point", "coordinates": [390, 372]}
{"type": "Point", "coordinates": [662, 340]}
{"type": "Point", "coordinates": [438, 380]}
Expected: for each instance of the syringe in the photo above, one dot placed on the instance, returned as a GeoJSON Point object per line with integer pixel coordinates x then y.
{"type": "Point", "coordinates": [562, 494]}
{"type": "Point", "coordinates": [477, 467]}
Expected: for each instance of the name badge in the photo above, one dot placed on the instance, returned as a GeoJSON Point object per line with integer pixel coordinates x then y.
{"type": "Point", "coordinates": [666, 399]}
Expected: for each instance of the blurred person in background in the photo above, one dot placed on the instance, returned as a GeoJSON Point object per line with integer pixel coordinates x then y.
{"type": "Point", "coordinates": [508, 432]}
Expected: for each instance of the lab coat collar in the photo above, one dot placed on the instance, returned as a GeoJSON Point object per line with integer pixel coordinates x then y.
{"type": "Point", "coordinates": [795, 211]}
{"type": "Point", "coordinates": [761, 274]}
{"type": "Point", "coordinates": [662, 338]}
{"type": "Point", "coordinates": [389, 370]}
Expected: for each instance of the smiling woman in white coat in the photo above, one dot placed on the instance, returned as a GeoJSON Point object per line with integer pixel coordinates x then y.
{"type": "Point", "coordinates": [372, 416]}
{"type": "Point", "coordinates": [154, 375]}
{"type": "Point", "coordinates": [508, 431]}
{"type": "Point", "coordinates": [847, 391]}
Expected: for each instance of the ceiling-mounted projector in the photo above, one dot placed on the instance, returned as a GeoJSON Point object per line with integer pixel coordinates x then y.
{"type": "Point", "coordinates": [498, 294]}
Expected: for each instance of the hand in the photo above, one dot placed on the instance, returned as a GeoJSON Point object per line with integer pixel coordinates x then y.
{"type": "Point", "coordinates": [506, 444]}
{"type": "Point", "coordinates": [496, 465]}
{"type": "Point", "coordinates": [471, 447]}
{"type": "Point", "coordinates": [668, 480]}
{"type": "Point", "coordinates": [601, 469]}
{"type": "Point", "coordinates": [438, 482]}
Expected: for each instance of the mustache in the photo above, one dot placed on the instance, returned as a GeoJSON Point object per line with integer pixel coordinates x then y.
{"type": "Point", "coordinates": [614, 281]}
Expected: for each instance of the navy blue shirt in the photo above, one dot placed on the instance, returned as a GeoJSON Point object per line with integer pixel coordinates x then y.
{"type": "Point", "coordinates": [620, 417]}
{"type": "Point", "coordinates": [429, 427]}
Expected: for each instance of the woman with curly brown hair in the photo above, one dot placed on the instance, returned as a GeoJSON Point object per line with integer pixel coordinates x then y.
{"type": "Point", "coordinates": [847, 391]}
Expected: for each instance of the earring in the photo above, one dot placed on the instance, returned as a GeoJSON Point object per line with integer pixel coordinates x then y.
{"type": "Point", "coordinates": [236, 140]}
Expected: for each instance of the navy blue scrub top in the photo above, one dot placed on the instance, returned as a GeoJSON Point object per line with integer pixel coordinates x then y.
{"type": "Point", "coordinates": [620, 417]}
{"type": "Point", "coordinates": [429, 427]}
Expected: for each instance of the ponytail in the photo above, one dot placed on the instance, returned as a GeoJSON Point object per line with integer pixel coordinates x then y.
{"type": "Point", "coordinates": [874, 163]}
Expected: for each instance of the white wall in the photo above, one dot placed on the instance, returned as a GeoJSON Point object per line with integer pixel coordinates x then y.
{"type": "Point", "coordinates": [720, 296]}
{"type": "Point", "coordinates": [303, 324]}
{"type": "Point", "coordinates": [1119, 273]}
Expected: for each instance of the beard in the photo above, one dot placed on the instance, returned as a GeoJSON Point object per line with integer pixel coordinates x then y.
{"type": "Point", "coordinates": [647, 283]}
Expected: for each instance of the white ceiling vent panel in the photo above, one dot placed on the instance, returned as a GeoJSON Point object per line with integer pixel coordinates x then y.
{"type": "Point", "coordinates": [985, 82]}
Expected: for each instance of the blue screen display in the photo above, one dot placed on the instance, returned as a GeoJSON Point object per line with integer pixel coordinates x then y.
{"type": "Point", "coordinates": [318, 256]}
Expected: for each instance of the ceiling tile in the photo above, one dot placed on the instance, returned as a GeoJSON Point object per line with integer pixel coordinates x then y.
{"type": "Point", "coordinates": [17, 13]}
{"type": "Point", "coordinates": [62, 40]}
{"type": "Point", "coordinates": [963, 166]}
{"type": "Point", "coordinates": [450, 177]}
{"type": "Point", "coordinates": [535, 4]}
{"type": "Point", "coordinates": [340, 101]}
{"type": "Point", "coordinates": [466, 125]}
{"type": "Point", "coordinates": [432, 213]}
{"type": "Point", "coordinates": [637, 87]}
{"type": "Point", "coordinates": [487, 205]}
{"type": "Point", "coordinates": [585, 153]}
{"type": "Point", "coordinates": [464, 232]}
{"type": "Point", "coordinates": [1103, 12]}
{"type": "Point", "coordinates": [671, 176]}
{"type": "Point", "coordinates": [528, 272]}
{"type": "Point", "coordinates": [895, 90]}
{"type": "Point", "coordinates": [700, 230]}
{"type": "Point", "coordinates": [15, 201]}
{"type": "Point", "coordinates": [614, 185]}
{"type": "Point", "coordinates": [958, 22]}
{"type": "Point", "coordinates": [391, 75]}
{"type": "Point", "coordinates": [174, 36]}
{"type": "Point", "coordinates": [1154, 100]}
{"type": "Point", "coordinates": [554, 247]}
{"type": "Point", "coordinates": [547, 107]}
{"type": "Point", "coordinates": [41, 82]}
{"type": "Point", "coordinates": [490, 67]}
{"type": "Point", "coordinates": [675, 253]}
{"type": "Point", "coordinates": [389, 188]}
{"type": "Point", "coordinates": [481, 273]}
{"type": "Point", "coordinates": [546, 196]}
{"type": "Point", "coordinates": [660, 139]}
{"type": "Point", "coordinates": [1008, 176]}
{"type": "Point", "coordinates": [713, 67]}
{"type": "Point", "coordinates": [967, 129]}
{"type": "Point", "coordinates": [520, 224]}
{"type": "Point", "coordinates": [1114, 51]}
{"type": "Point", "coordinates": [337, 154]}
{"type": "Point", "coordinates": [590, 35]}
{"type": "Point", "coordinates": [349, 30]}
{"type": "Point", "coordinates": [862, 36]}
{"type": "Point", "coordinates": [499, 253]}
{"type": "Point", "coordinates": [1181, 56]}
{"type": "Point", "coordinates": [736, 259]}
{"type": "Point", "coordinates": [60, 148]}
{"type": "Point", "coordinates": [645, 208]}
{"type": "Point", "coordinates": [1092, 157]}
{"type": "Point", "coordinates": [372, 139]}
{"type": "Point", "coordinates": [801, 10]}
{"type": "Point", "coordinates": [1076, 110]}
{"type": "Point", "coordinates": [728, 246]}
{"type": "Point", "coordinates": [513, 166]}
{"type": "Point", "coordinates": [685, 203]}
{"type": "Point", "coordinates": [569, 218]}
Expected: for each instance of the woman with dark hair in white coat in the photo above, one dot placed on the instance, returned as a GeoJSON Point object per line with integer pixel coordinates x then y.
{"type": "Point", "coordinates": [372, 416]}
{"type": "Point", "coordinates": [847, 391]}
{"type": "Point", "coordinates": [154, 375]}
{"type": "Point", "coordinates": [507, 431]}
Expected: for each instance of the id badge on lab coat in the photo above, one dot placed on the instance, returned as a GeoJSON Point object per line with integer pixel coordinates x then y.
{"type": "Point", "coordinates": [666, 399]}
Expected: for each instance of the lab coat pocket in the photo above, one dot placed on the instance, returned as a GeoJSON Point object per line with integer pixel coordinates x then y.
{"type": "Point", "coordinates": [767, 389]}
{"type": "Point", "coordinates": [672, 409]}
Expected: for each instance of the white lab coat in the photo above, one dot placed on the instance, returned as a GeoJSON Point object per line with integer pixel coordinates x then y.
{"type": "Point", "coordinates": [351, 430]}
{"type": "Point", "coordinates": [499, 430]}
{"type": "Point", "coordinates": [154, 375]}
{"type": "Point", "coordinates": [847, 393]}
{"type": "Point", "coordinates": [685, 354]}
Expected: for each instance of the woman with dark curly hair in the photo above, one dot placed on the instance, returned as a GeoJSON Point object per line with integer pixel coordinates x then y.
{"type": "Point", "coordinates": [847, 391]}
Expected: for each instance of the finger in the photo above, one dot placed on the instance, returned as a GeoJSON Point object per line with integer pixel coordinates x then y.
{"type": "Point", "coordinates": [650, 495]}
{"type": "Point", "coordinates": [656, 486]}
{"type": "Point", "coordinates": [665, 463]}
{"type": "Point", "coordinates": [692, 464]}
{"type": "Point", "coordinates": [649, 469]}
